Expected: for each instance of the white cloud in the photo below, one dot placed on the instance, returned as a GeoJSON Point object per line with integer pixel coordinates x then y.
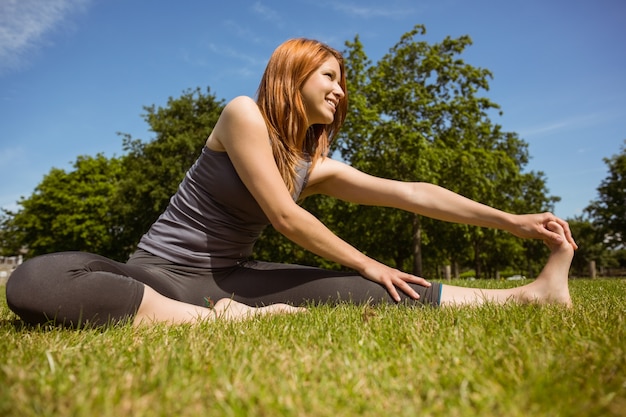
{"type": "Point", "coordinates": [364, 11]}
{"type": "Point", "coordinates": [576, 122]}
{"type": "Point", "coordinates": [267, 13]}
{"type": "Point", "coordinates": [539, 130]}
{"type": "Point", "coordinates": [242, 32]}
{"type": "Point", "coordinates": [24, 25]}
{"type": "Point", "coordinates": [234, 54]}
{"type": "Point", "coordinates": [10, 155]}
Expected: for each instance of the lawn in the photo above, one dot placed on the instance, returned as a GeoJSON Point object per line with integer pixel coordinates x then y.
{"type": "Point", "coordinates": [349, 360]}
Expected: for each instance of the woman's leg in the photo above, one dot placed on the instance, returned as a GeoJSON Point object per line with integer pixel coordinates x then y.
{"type": "Point", "coordinates": [263, 283]}
{"type": "Point", "coordinates": [178, 294]}
{"type": "Point", "coordinates": [551, 286]}
{"type": "Point", "coordinates": [76, 288]}
{"type": "Point", "coordinates": [72, 289]}
{"type": "Point", "coordinates": [155, 308]}
{"type": "Point", "coordinates": [270, 284]}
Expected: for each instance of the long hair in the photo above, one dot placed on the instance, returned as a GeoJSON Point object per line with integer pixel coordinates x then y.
{"type": "Point", "coordinates": [280, 101]}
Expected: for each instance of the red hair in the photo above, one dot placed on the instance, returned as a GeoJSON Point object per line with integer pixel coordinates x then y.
{"type": "Point", "coordinates": [280, 100]}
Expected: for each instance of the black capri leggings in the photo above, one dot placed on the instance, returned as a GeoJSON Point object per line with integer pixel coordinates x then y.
{"type": "Point", "coordinates": [78, 288]}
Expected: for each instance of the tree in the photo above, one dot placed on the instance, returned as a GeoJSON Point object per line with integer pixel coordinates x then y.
{"type": "Point", "coordinates": [609, 210]}
{"type": "Point", "coordinates": [69, 211]}
{"type": "Point", "coordinates": [590, 246]}
{"type": "Point", "coordinates": [104, 206]}
{"type": "Point", "coordinates": [417, 115]}
{"type": "Point", "coordinates": [154, 169]}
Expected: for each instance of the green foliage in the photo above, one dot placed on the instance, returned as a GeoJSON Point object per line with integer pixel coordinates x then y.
{"type": "Point", "coordinates": [417, 115]}
{"type": "Point", "coordinates": [350, 360]}
{"type": "Point", "coordinates": [609, 210]}
{"type": "Point", "coordinates": [105, 205]}
{"type": "Point", "coordinates": [69, 211]}
{"type": "Point", "coordinates": [154, 169]}
{"type": "Point", "coordinates": [590, 246]}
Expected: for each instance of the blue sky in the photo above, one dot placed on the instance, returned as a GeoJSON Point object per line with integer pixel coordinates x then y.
{"type": "Point", "coordinates": [75, 72]}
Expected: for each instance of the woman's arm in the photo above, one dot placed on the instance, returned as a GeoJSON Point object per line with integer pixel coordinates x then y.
{"type": "Point", "coordinates": [339, 180]}
{"type": "Point", "coordinates": [241, 131]}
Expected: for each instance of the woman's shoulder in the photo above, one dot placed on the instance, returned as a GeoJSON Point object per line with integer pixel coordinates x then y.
{"type": "Point", "coordinates": [243, 110]}
{"type": "Point", "coordinates": [242, 105]}
{"type": "Point", "coordinates": [241, 119]}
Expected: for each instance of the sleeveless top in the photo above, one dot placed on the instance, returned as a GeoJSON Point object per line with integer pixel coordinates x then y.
{"type": "Point", "coordinates": [212, 220]}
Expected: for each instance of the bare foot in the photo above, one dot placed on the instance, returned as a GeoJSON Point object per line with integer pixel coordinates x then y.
{"type": "Point", "coordinates": [551, 286]}
{"type": "Point", "coordinates": [228, 309]}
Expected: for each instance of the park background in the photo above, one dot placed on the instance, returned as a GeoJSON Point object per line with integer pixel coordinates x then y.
{"type": "Point", "coordinates": [86, 82]}
{"type": "Point", "coordinates": [73, 73]}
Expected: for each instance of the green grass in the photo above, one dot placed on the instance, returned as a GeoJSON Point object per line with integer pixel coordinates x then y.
{"type": "Point", "coordinates": [350, 360]}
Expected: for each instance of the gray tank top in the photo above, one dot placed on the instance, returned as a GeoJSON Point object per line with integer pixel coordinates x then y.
{"type": "Point", "coordinates": [212, 220]}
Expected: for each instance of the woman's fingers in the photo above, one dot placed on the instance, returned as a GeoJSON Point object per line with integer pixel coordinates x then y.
{"type": "Point", "coordinates": [402, 282]}
{"type": "Point", "coordinates": [391, 289]}
{"type": "Point", "coordinates": [568, 232]}
{"type": "Point", "coordinates": [556, 237]}
{"type": "Point", "coordinates": [394, 280]}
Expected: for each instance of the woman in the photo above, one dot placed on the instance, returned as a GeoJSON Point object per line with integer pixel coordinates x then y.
{"type": "Point", "coordinates": [260, 159]}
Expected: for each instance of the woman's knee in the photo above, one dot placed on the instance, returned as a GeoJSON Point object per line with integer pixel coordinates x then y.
{"type": "Point", "coordinates": [71, 287]}
{"type": "Point", "coordinates": [25, 286]}
{"type": "Point", "coordinates": [38, 275]}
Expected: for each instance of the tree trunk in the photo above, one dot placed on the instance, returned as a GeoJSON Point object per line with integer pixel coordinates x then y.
{"type": "Point", "coordinates": [592, 269]}
{"type": "Point", "coordinates": [447, 272]}
{"type": "Point", "coordinates": [417, 245]}
{"type": "Point", "coordinates": [477, 259]}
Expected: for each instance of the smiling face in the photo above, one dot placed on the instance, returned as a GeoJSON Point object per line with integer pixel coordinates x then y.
{"type": "Point", "coordinates": [322, 92]}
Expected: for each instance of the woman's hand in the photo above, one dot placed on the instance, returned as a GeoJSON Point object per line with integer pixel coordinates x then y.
{"type": "Point", "coordinates": [534, 226]}
{"type": "Point", "coordinates": [392, 279]}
